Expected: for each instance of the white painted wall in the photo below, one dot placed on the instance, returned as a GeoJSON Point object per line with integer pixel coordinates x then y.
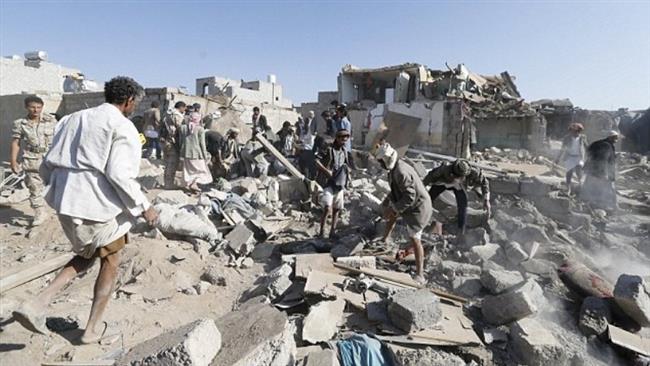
{"type": "Point", "coordinates": [16, 78]}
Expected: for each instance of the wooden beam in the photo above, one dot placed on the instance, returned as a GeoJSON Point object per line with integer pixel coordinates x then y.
{"type": "Point", "coordinates": [369, 272]}
{"type": "Point", "coordinates": [453, 158]}
{"type": "Point", "coordinates": [33, 272]}
{"type": "Point", "coordinates": [287, 164]}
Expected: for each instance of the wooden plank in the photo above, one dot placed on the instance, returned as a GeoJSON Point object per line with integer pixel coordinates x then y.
{"type": "Point", "coordinates": [400, 279]}
{"type": "Point", "coordinates": [33, 272]}
{"type": "Point", "coordinates": [305, 263]}
{"type": "Point", "coordinates": [287, 164]}
{"type": "Point", "coordinates": [331, 285]}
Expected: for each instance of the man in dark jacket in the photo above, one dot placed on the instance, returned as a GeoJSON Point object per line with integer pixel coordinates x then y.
{"type": "Point", "coordinates": [458, 176]}
{"type": "Point", "coordinates": [336, 168]}
{"type": "Point", "coordinates": [599, 188]}
{"type": "Point", "coordinates": [408, 198]}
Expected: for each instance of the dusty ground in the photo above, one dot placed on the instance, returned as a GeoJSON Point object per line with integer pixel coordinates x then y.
{"type": "Point", "coordinates": [136, 316]}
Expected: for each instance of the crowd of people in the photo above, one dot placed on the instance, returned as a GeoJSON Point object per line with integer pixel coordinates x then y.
{"type": "Point", "coordinates": [95, 154]}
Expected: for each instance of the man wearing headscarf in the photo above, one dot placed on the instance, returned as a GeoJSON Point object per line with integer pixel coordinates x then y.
{"type": "Point", "coordinates": [408, 198]}
{"type": "Point", "coordinates": [572, 154]}
{"type": "Point", "coordinates": [459, 177]}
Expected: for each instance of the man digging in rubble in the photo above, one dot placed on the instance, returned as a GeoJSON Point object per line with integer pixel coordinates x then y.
{"type": "Point", "coordinates": [336, 169]}
{"type": "Point", "coordinates": [459, 177]}
{"type": "Point", "coordinates": [599, 188]}
{"type": "Point", "coordinates": [34, 132]}
{"type": "Point", "coordinates": [171, 144]}
{"type": "Point", "coordinates": [572, 154]}
{"type": "Point", "coordinates": [408, 198]}
{"type": "Point", "coordinates": [91, 173]}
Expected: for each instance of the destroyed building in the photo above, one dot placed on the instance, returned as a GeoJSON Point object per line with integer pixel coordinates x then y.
{"type": "Point", "coordinates": [243, 96]}
{"type": "Point", "coordinates": [437, 110]}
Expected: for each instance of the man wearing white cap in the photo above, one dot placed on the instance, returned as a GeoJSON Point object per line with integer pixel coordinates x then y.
{"type": "Point", "coordinates": [409, 199]}
{"type": "Point", "coordinates": [599, 188]}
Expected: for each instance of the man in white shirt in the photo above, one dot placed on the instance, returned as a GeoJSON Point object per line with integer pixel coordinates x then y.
{"type": "Point", "coordinates": [90, 172]}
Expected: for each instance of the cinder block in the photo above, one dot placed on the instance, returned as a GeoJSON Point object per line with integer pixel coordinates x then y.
{"type": "Point", "coordinates": [518, 303]}
{"type": "Point", "coordinates": [412, 310]}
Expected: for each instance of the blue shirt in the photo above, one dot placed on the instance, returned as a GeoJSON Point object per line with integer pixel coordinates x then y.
{"type": "Point", "coordinates": [344, 124]}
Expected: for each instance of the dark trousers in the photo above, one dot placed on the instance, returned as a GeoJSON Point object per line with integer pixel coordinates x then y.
{"type": "Point", "coordinates": [461, 202]}
{"type": "Point", "coordinates": [154, 143]}
{"type": "Point", "coordinates": [569, 175]}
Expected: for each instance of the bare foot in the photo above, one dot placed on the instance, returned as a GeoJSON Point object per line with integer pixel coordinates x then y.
{"type": "Point", "coordinates": [92, 336]}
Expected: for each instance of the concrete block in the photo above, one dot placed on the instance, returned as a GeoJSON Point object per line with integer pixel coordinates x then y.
{"type": "Point", "coordinates": [325, 357]}
{"type": "Point", "coordinates": [194, 344]}
{"type": "Point", "coordinates": [377, 311]}
{"type": "Point", "coordinates": [371, 201]}
{"type": "Point", "coordinates": [382, 186]}
{"type": "Point", "coordinates": [514, 252]}
{"type": "Point", "coordinates": [530, 233]}
{"type": "Point", "coordinates": [504, 185]}
{"type": "Point", "coordinates": [453, 269]}
{"type": "Point", "coordinates": [413, 310]}
{"type": "Point", "coordinates": [476, 236]}
{"type": "Point", "coordinates": [538, 186]}
{"type": "Point", "coordinates": [517, 303]}
{"type": "Point", "coordinates": [498, 281]}
{"type": "Point", "coordinates": [632, 294]}
{"type": "Point", "coordinates": [536, 346]}
{"type": "Point", "coordinates": [256, 335]}
{"type": "Point", "coordinates": [540, 267]}
{"type": "Point", "coordinates": [171, 198]}
{"type": "Point", "coordinates": [348, 245]}
{"type": "Point", "coordinates": [595, 315]}
{"type": "Point", "coordinates": [320, 325]}
{"type": "Point", "coordinates": [262, 251]}
{"type": "Point", "coordinates": [244, 185]}
{"type": "Point", "coordinates": [485, 253]}
{"type": "Point", "coordinates": [273, 285]}
{"type": "Point", "coordinates": [239, 237]}
{"type": "Point", "coordinates": [358, 261]}
{"type": "Point", "coordinates": [467, 286]}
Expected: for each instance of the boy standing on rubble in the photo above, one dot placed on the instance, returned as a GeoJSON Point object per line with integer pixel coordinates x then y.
{"type": "Point", "coordinates": [407, 198]}
{"type": "Point", "coordinates": [336, 169]}
{"type": "Point", "coordinates": [459, 177]}
{"type": "Point", "coordinates": [91, 172]}
{"type": "Point", "coordinates": [35, 133]}
{"type": "Point", "coordinates": [572, 154]}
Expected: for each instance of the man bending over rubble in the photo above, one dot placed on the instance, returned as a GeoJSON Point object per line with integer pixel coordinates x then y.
{"type": "Point", "coordinates": [336, 168]}
{"type": "Point", "coordinates": [599, 188]}
{"type": "Point", "coordinates": [458, 176]}
{"type": "Point", "coordinates": [407, 198]}
{"type": "Point", "coordinates": [91, 172]}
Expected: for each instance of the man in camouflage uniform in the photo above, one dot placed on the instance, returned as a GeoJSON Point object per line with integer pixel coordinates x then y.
{"type": "Point", "coordinates": [33, 134]}
{"type": "Point", "coordinates": [171, 144]}
{"type": "Point", "coordinates": [459, 177]}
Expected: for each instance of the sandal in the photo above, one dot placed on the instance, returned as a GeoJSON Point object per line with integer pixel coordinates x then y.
{"type": "Point", "coordinates": [102, 338]}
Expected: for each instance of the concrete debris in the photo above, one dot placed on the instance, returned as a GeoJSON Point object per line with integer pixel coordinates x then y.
{"type": "Point", "coordinates": [453, 269]}
{"type": "Point", "coordinates": [413, 310]}
{"type": "Point", "coordinates": [194, 344]}
{"type": "Point", "coordinates": [535, 345]}
{"type": "Point", "coordinates": [498, 281]}
{"type": "Point", "coordinates": [585, 282]}
{"type": "Point", "coordinates": [257, 335]}
{"type": "Point", "coordinates": [324, 357]}
{"type": "Point", "coordinates": [214, 276]}
{"type": "Point", "coordinates": [632, 294]}
{"type": "Point", "coordinates": [273, 285]}
{"type": "Point", "coordinates": [349, 245]}
{"type": "Point", "coordinates": [378, 311]}
{"type": "Point", "coordinates": [382, 187]}
{"type": "Point", "coordinates": [517, 303]}
{"type": "Point", "coordinates": [358, 262]}
{"type": "Point", "coordinates": [467, 286]}
{"type": "Point", "coordinates": [172, 198]}
{"type": "Point", "coordinates": [478, 236]}
{"type": "Point", "coordinates": [595, 316]}
{"type": "Point", "coordinates": [240, 238]}
{"type": "Point", "coordinates": [369, 200]}
{"type": "Point", "coordinates": [486, 253]}
{"type": "Point", "coordinates": [514, 252]}
{"type": "Point", "coordinates": [320, 325]}
{"type": "Point", "coordinates": [427, 356]}
{"type": "Point", "coordinates": [530, 233]}
{"type": "Point", "coordinates": [179, 221]}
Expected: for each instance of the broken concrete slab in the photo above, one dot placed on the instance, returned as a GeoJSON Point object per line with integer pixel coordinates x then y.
{"type": "Point", "coordinates": [530, 233]}
{"type": "Point", "coordinates": [369, 200]}
{"type": "Point", "coordinates": [305, 263]}
{"type": "Point", "coordinates": [348, 246]}
{"type": "Point", "coordinates": [467, 286]}
{"type": "Point", "coordinates": [535, 345]}
{"type": "Point", "coordinates": [263, 251]}
{"type": "Point", "coordinates": [244, 185]}
{"type": "Point", "coordinates": [324, 357]}
{"type": "Point", "coordinates": [194, 344]}
{"type": "Point", "coordinates": [240, 237]}
{"type": "Point", "coordinates": [485, 253]}
{"type": "Point", "coordinates": [426, 356]}
{"type": "Point", "coordinates": [517, 303]}
{"type": "Point", "coordinates": [514, 252]}
{"type": "Point", "coordinates": [320, 325]}
{"type": "Point", "coordinates": [504, 184]}
{"type": "Point", "coordinates": [177, 197]}
{"type": "Point", "coordinates": [330, 285]}
{"type": "Point", "coordinates": [631, 341]}
{"type": "Point", "coordinates": [381, 186]}
{"type": "Point", "coordinates": [453, 269]}
{"type": "Point", "coordinates": [273, 285]}
{"type": "Point", "coordinates": [477, 236]}
{"type": "Point", "coordinates": [378, 311]}
{"type": "Point", "coordinates": [595, 316]}
{"type": "Point", "coordinates": [257, 335]}
{"type": "Point", "coordinates": [498, 281]}
{"type": "Point", "coordinates": [413, 310]}
{"type": "Point", "coordinates": [632, 294]}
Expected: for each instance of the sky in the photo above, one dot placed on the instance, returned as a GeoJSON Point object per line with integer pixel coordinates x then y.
{"type": "Point", "coordinates": [596, 53]}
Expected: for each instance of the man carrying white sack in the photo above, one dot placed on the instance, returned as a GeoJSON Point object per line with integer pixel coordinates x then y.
{"type": "Point", "coordinates": [90, 173]}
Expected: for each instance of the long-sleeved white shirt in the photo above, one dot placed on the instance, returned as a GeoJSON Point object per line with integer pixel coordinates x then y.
{"type": "Point", "coordinates": [92, 166]}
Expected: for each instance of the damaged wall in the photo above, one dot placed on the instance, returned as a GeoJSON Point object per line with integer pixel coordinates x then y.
{"type": "Point", "coordinates": [523, 132]}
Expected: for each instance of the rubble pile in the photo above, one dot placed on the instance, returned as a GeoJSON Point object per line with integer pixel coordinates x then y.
{"type": "Point", "coordinates": [544, 280]}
